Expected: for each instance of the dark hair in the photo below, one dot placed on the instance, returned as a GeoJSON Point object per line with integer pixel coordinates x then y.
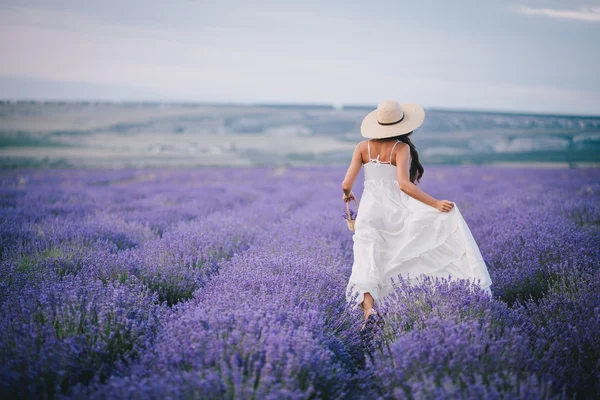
{"type": "Point", "coordinates": [416, 169]}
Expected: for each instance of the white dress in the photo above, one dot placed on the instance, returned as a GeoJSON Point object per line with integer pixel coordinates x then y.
{"type": "Point", "coordinates": [398, 235]}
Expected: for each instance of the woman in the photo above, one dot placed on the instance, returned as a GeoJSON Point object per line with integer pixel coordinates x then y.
{"type": "Point", "coordinates": [401, 230]}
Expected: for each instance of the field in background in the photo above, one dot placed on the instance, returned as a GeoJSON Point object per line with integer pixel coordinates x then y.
{"type": "Point", "coordinates": [116, 135]}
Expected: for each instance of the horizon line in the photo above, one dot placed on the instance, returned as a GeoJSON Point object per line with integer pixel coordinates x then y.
{"type": "Point", "coordinates": [332, 106]}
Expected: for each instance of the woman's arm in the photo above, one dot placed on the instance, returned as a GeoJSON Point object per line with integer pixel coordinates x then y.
{"type": "Point", "coordinates": [403, 176]}
{"type": "Point", "coordinates": [351, 174]}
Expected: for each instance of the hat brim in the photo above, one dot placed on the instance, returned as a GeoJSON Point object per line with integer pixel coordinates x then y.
{"type": "Point", "coordinates": [414, 115]}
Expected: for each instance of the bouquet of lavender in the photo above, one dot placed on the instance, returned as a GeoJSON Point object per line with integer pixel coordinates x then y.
{"type": "Point", "coordinates": [350, 215]}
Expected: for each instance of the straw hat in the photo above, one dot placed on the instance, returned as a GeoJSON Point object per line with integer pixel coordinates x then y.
{"type": "Point", "coordinates": [392, 119]}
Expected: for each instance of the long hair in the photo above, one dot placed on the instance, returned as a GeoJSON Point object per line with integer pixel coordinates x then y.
{"type": "Point", "coordinates": [416, 169]}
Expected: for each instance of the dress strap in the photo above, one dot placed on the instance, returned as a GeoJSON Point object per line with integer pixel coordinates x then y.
{"type": "Point", "coordinates": [369, 148]}
{"type": "Point", "coordinates": [392, 152]}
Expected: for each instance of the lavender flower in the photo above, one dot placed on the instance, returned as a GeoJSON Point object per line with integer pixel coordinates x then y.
{"type": "Point", "coordinates": [353, 214]}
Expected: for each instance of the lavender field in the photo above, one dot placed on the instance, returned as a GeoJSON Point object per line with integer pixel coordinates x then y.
{"type": "Point", "coordinates": [229, 283]}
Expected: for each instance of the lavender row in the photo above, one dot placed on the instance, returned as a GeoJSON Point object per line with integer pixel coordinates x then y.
{"type": "Point", "coordinates": [272, 324]}
{"type": "Point", "coordinates": [57, 267]}
{"type": "Point", "coordinates": [240, 293]}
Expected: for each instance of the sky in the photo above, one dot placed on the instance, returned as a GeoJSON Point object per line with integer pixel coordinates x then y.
{"type": "Point", "coordinates": [524, 56]}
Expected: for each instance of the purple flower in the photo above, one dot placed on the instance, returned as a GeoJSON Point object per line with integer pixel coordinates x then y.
{"type": "Point", "coordinates": [353, 214]}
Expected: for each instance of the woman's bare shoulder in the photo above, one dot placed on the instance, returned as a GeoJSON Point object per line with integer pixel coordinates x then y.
{"type": "Point", "coordinates": [402, 148]}
{"type": "Point", "coordinates": [401, 151]}
{"type": "Point", "coordinates": [362, 146]}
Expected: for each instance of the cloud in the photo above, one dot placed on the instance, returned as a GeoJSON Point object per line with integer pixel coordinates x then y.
{"type": "Point", "coordinates": [580, 14]}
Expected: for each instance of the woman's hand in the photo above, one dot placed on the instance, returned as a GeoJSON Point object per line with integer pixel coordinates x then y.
{"type": "Point", "coordinates": [347, 198]}
{"type": "Point", "coordinates": [444, 205]}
